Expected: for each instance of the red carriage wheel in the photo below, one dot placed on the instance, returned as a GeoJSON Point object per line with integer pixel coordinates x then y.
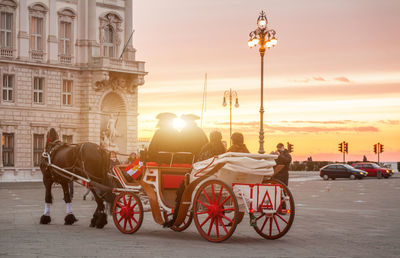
{"type": "Point", "coordinates": [185, 224]}
{"type": "Point", "coordinates": [215, 211]}
{"type": "Point", "coordinates": [275, 225]}
{"type": "Point", "coordinates": [127, 212]}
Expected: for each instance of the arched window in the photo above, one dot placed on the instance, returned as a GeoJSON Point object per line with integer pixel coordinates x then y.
{"type": "Point", "coordinates": [110, 28]}
{"type": "Point", "coordinates": [7, 27]}
{"type": "Point", "coordinates": [37, 14]}
{"type": "Point", "coordinates": [108, 45]}
{"type": "Point", "coordinates": [65, 30]}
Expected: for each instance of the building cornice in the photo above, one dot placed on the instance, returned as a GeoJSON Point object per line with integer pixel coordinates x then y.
{"type": "Point", "coordinates": [72, 67]}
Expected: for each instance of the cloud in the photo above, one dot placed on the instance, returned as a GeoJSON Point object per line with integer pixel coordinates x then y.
{"type": "Point", "coordinates": [318, 78]}
{"type": "Point", "coordinates": [318, 122]}
{"type": "Point", "coordinates": [342, 79]}
{"type": "Point", "coordinates": [390, 122]}
{"type": "Point", "coordinates": [316, 129]}
{"type": "Point", "coordinates": [254, 125]}
{"type": "Point", "coordinates": [322, 79]}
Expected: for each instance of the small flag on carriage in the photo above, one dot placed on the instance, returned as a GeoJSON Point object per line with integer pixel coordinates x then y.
{"type": "Point", "coordinates": [134, 169]}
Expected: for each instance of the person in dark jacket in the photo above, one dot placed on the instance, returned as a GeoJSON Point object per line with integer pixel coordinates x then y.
{"type": "Point", "coordinates": [238, 144]}
{"type": "Point", "coordinates": [113, 160]}
{"type": "Point", "coordinates": [213, 148]}
{"type": "Point", "coordinates": [166, 138]}
{"type": "Point", "coordinates": [193, 137]}
{"type": "Point", "coordinates": [284, 158]}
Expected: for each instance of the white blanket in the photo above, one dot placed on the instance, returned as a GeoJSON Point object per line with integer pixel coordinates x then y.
{"type": "Point", "coordinates": [256, 164]}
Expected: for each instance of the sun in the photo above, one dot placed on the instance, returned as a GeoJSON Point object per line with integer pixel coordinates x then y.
{"type": "Point", "coordinates": [178, 124]}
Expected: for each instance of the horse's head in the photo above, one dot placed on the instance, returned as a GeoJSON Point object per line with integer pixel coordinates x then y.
{"type": "Point", "coordinates": [51, 136]}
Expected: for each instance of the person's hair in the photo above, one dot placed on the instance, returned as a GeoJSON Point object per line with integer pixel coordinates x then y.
{"type": "Point", "coordinates": [113, 153]}
{"type": "Point", "coordinates": [215, 137]}
{"type": "Point", "coordinates": [280, 145]}
{"type": "Point", "coordinates": [237, 138]}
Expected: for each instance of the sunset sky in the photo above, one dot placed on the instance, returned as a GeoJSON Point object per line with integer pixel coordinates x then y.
{"type": "Point", "coordinates": [334, 75]}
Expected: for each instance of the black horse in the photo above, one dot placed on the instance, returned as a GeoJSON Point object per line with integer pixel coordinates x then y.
{"type": "Point", "coordinates": [87, 160]}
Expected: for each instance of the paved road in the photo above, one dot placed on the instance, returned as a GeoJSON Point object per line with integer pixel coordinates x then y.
{"type": "Point", "coordinates": [340, 218]}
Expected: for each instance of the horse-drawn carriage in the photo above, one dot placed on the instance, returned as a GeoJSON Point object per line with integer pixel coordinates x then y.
{"type": "Point", "coordinates": [216, 193]}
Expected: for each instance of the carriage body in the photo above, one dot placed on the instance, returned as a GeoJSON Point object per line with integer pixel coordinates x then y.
{"type": "Point", "coordinates": [216, 193]}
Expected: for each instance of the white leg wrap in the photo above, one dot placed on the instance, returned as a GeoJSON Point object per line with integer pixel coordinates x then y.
{"type": "Point", "coordinates": [47, 209]}
{"type": "Point", "coordinates": [69, 208]}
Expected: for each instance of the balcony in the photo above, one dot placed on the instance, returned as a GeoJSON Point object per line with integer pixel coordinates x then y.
{"type": "Point", "coordinates": [118, 65]}
{"type": "Point", "coordinates": [37, 55]}
{"type": "Point", "coordinates": [6, 52]}
{"type": "Point", "coordinates": [65, 59]}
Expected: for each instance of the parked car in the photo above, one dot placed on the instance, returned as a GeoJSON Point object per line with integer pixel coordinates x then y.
{"type": "Point", "coordinates": [374, 169]}
{"type": "Point", "coordinates": [341, 171]}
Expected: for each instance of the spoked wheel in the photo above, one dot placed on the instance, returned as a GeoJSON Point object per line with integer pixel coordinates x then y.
{"type": "Point", "coordinates": [215, 211]}
{"type": "Point", "coordinates": [186, 223]}
{"type": "Point", "coordinates": [275, 225]}
{"type": "Point", "coordinates": [127, 212]}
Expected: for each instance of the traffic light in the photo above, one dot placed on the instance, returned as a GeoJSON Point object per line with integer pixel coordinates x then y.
{"type": "Point", "coordinates": [346, 147]}
{"type": "Point", "coordinates": [381, 148]}
{"type": "Point", "coordinates": [341, 147]}
{"type": "Point", "coordinates": [290, 147]}
{"type": "Point", "coordinates": [375, 148]}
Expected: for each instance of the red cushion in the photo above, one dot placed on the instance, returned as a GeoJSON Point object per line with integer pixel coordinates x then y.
{"type": "Point", "coordinates": [182, 165]}
{"type": "Point", "coordinates": [171, 181]}
{"type": "Point", "coordinates": [152, 164]}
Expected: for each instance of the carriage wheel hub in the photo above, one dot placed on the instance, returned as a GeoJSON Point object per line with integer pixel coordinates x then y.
{"type": "Point", "coordinates": [214, 210]}
{"type": "Point", "coordinates": [126, 212]}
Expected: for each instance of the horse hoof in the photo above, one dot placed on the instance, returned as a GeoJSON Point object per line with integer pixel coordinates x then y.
{"type": "Point", "coordinates": [70, 219]}
{"type": "Point", "coordinates": [101, 220]}
{"type": "Point", "coordinates": [45, 219]}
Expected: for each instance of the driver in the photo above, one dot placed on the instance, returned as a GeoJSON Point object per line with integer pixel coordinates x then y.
{"type": "Point", "coordinates": [166, 138]}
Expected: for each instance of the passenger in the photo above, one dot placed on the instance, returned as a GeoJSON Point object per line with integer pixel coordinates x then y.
{"type": "Point", "coordinates": [193, 137]}
{"type": "Point", "coordinates": [166, 138]}
{"type": "Point", "coordinates": [132, 157]}
{"type": "Point", "coordinates": [238, 144]}
{"type": "Point", "coordinates": [113, 160]}
{"type": "Point", "coordinates": [284, 158]}
{"type": "Point", "coordinates": [213, 148]}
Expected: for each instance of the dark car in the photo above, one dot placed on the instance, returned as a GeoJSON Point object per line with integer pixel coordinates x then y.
{"type": "Point", "coordinates": [341, 171]}
{"type": "Point", "coordinates": [374, 169]}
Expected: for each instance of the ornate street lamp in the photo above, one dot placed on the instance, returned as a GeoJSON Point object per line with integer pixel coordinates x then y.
{"type": "Point", "coordinates": [265, 38]}
{"type": "Point", "coordinates": [231, 94]}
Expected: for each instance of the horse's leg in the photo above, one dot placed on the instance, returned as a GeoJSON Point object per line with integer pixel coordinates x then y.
{"type": "Point", "coordinates": [45, 219]}
{"type": "Point", "coordinates": [99, 216]}
{"type": "Point", "coordinates": [69, 218]}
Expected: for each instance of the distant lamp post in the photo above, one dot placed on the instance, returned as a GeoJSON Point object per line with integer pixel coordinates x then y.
{"type": "Point", "coordinates": [230, 94]}
{"type": "Point", "coordinates": [266, 39]}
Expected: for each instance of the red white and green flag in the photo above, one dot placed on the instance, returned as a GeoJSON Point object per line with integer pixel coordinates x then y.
{"type": "Point", "coordinates": [134, 169]}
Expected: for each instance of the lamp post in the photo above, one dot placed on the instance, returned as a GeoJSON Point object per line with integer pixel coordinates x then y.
{"type": "Point", "coordinates": [266, 39]}
{"type": "Point", "coordinates": [231, 94]}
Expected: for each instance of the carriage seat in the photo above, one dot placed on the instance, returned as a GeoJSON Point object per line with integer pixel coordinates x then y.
{"type": "Point", "coordinates": [170, 178]}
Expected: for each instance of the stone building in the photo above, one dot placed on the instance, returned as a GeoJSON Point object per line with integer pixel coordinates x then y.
{"type": "Point", "coordinates": [61, 67]}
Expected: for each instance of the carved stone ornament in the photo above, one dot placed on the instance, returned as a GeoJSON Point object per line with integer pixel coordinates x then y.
{"type": "Point", "coordinates": [7, 6]}
{"type": "Point", "coordinates": [113, 20]}
{"type": "Point", "coordinates": [38, 9]}
{"type": "Point", "coordinates": [120, 82]}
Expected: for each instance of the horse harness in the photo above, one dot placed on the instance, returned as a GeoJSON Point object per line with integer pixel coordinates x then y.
{"type": "Point", "coordinates": [55, 146]}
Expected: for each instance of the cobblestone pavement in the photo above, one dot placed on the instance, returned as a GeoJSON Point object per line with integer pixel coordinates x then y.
{"type": "Point", "coordinates": [341, 218]}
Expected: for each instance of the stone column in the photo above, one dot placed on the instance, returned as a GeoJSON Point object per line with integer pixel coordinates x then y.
{"type": "Point", "coordinates": [53, 33]}
{"type": "Point", "coordinates": [129, 53]}
{"type": "Point", "coordinates": [93, 27]}
{"type": "Point", "coordinates": [23, 33]}
{"type": "Point", "coordinates": [81, 32]}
